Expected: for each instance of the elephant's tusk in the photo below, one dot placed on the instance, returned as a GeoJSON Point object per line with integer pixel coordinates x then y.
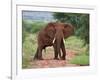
{"type": "Point", "coordinates": [64, 40]}
{"type": "Point", "coordinates": [53, 40]}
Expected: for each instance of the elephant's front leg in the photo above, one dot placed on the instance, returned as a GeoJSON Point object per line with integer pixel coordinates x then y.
{"type": "Point", "coordinates": [63, 50]}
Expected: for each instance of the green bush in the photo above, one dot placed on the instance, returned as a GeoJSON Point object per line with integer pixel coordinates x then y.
{"type": "Point", "coordinates": [30, 44]}
{"type": "Point", "coordinates": [29, 49]}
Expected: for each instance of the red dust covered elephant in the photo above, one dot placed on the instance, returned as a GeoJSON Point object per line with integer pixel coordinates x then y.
{"type": "Point", "coordinates": [53, 35]}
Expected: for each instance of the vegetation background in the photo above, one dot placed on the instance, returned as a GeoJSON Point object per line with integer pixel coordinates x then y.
{"type": "Point", "coordinates": [33, 21]}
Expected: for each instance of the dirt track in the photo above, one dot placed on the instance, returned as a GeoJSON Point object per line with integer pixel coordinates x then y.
{"type": "Point", "coordinates": [48, 61]}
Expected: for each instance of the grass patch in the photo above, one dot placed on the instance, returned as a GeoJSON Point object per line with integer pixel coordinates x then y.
{"type": "Point", "coordinates": [74, 43]}
{"type": "Point", "coordinates": [82, 60]}
{"type": "Point", "coordinates": [25, 62]}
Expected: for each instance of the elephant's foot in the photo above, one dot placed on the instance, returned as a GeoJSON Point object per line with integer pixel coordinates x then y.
{"type": "Point", "coordinates": [40, 59]}
{"type": "Point", "coordinates": [63, 58]}
{"type": "Point", "coordinates": [56, 58]}
{"type": "Point", "coordinates": [36, 58]}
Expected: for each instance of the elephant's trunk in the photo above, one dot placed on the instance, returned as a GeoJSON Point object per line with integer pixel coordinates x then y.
{"type": "Point", "coordinates": [58, 38]}
{"type": "Point", "coordinates": [58, 47]}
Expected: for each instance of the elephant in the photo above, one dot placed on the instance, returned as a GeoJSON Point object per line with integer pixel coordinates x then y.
{"type": "Point", "coordinates": [53, 35]}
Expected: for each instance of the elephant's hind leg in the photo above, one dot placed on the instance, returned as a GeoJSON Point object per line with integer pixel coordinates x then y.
{"type": "Point", "coordinates": [38, 55]}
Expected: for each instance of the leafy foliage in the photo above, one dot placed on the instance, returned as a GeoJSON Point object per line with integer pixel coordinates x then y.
{"type": "Point", "coordinates": [29, 49]}
{"type": "Point", "coordinates": [31, 27]}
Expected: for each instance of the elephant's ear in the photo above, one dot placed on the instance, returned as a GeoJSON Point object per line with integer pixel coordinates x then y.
{"type": "Point", "coordinates": [50, 30]}
{"type": "Point", "coordinates": [68, 30]}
